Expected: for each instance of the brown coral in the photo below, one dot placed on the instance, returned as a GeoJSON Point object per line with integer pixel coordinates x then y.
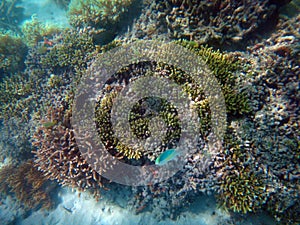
{"type": "Point", "coordinates": [58, 156]}
{"type": "Point", "coordinates": [27, 184]}
{"type": "Point", "coordinates": [215, 23]}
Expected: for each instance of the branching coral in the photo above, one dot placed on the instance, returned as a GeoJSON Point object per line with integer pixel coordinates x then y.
{"type": "Point", "coordinates": [217, 23]}
{"type": "Point", "coordinates": [101, 18]}
{"type": "Point", "coordinates": [71, 52]}
{"type": "Point", "coordinates": [27, 184]}
{"type": "Point", "coordinates": [12, 54]}
{"type": "Point", "coordinates": [139, 125]}
{"type": "Point", "coordinates": [97, 13]}
{"type": "Point", "coordinates": [13, 93]}
{"type": "Point", "coordinates": [224, 67]}
{"type": "Point", "coordinates": [10, 15]}
{"type": "Point", "coordinates": [221, 65]}
{"type": "Point", "coordinates": [58, 156]}
{"type": "Point", "coordinates": [34, 31]}
{"type": "Point", "coordinates": [242, 188]}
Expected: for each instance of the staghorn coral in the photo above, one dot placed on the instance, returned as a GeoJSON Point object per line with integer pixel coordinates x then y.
{"type": "Point", "coordinates": [27, 184]}
{"type": "Point", "coordinates": [71, 51]}
{"type": "Point", "coordinates": [58, 156]}
{"type": "Point", "coordinates": [101, 17]}
{"type": "Point", "coordinates": [242, 188]}
{"type": "Point", "coordinates": [34, 31]}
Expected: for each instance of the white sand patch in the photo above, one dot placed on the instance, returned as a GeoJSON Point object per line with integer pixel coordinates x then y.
{"type": "Point", "coordinates": [86, 210]}
{"type": "Point", "coordinates": [10, 210]}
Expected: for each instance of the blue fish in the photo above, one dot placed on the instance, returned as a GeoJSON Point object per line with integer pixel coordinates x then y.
{"type": "Point", "coordinates": [166, 156]}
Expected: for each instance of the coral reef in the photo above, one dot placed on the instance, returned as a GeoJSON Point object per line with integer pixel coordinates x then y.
{"type": "Point", "coordinates": [58, 156]}
{"type": "Point", "coordinates": [242, 187]}
{"type": "Point", "coordinates": [12, 54]}
{"type": "Point", "coordinates": [139, 125]}
{"type": "Point", "coordinates": [34, 31]}
{"type": "Point", "coordinates": [225, 68]}
{"type": "Point", "coordinates": [274, 129]}
{"type": "Point", "coordinates": [13, 91]}
{"type": "Point", "coordinates": [71, 51]}
{"type": "Point", "coordinates": [222, 66]}
{"type": "Point", "coordinates": [101, 17]}
{"type": "Point", "coordinates": [260, 86]}
{"type": "Point", "coordinates": [27, 184]}
{"type": "Point", "coordinates": [215, 23]}
{"type": "Point", "coordinates": [49, 73]}
{"type": "Point", "coordinates": [10, 15]}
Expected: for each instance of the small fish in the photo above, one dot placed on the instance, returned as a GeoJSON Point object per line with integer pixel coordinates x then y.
{"type": "Point", "coordinates": [47, 42]}
{"type": "Point", "coordinates": [49, 124]}
{"type": "Point", "coordinates": [67, 209]}
{"type": "Point", "coordinates": [166, 156]}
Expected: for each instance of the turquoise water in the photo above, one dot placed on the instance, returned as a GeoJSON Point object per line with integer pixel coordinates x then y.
{"type": "Point", "coordinates": [149, 112]}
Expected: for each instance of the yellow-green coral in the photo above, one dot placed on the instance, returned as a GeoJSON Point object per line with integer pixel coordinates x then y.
{"type": "Point", "coordinates": [13, 93]}
{"type": "Point", "coordinates": [12, 53]}
{"type": "Point", "coordinates": [97, 13]}
{"type": "Point", "coordinates": [241, 188]}
{"type": "Point", "coordinates": [105, 129]}
{"type": "Point", "coordinates": [73, 52]}
{"type": "Point", "coordinates": [33, 31]}
{"type": "Point", "coordinates": [223, 67]}
{"type": "Point", "coordinates": [242, 191]}
{"type": "Point", "coordinates": [129, 152]}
